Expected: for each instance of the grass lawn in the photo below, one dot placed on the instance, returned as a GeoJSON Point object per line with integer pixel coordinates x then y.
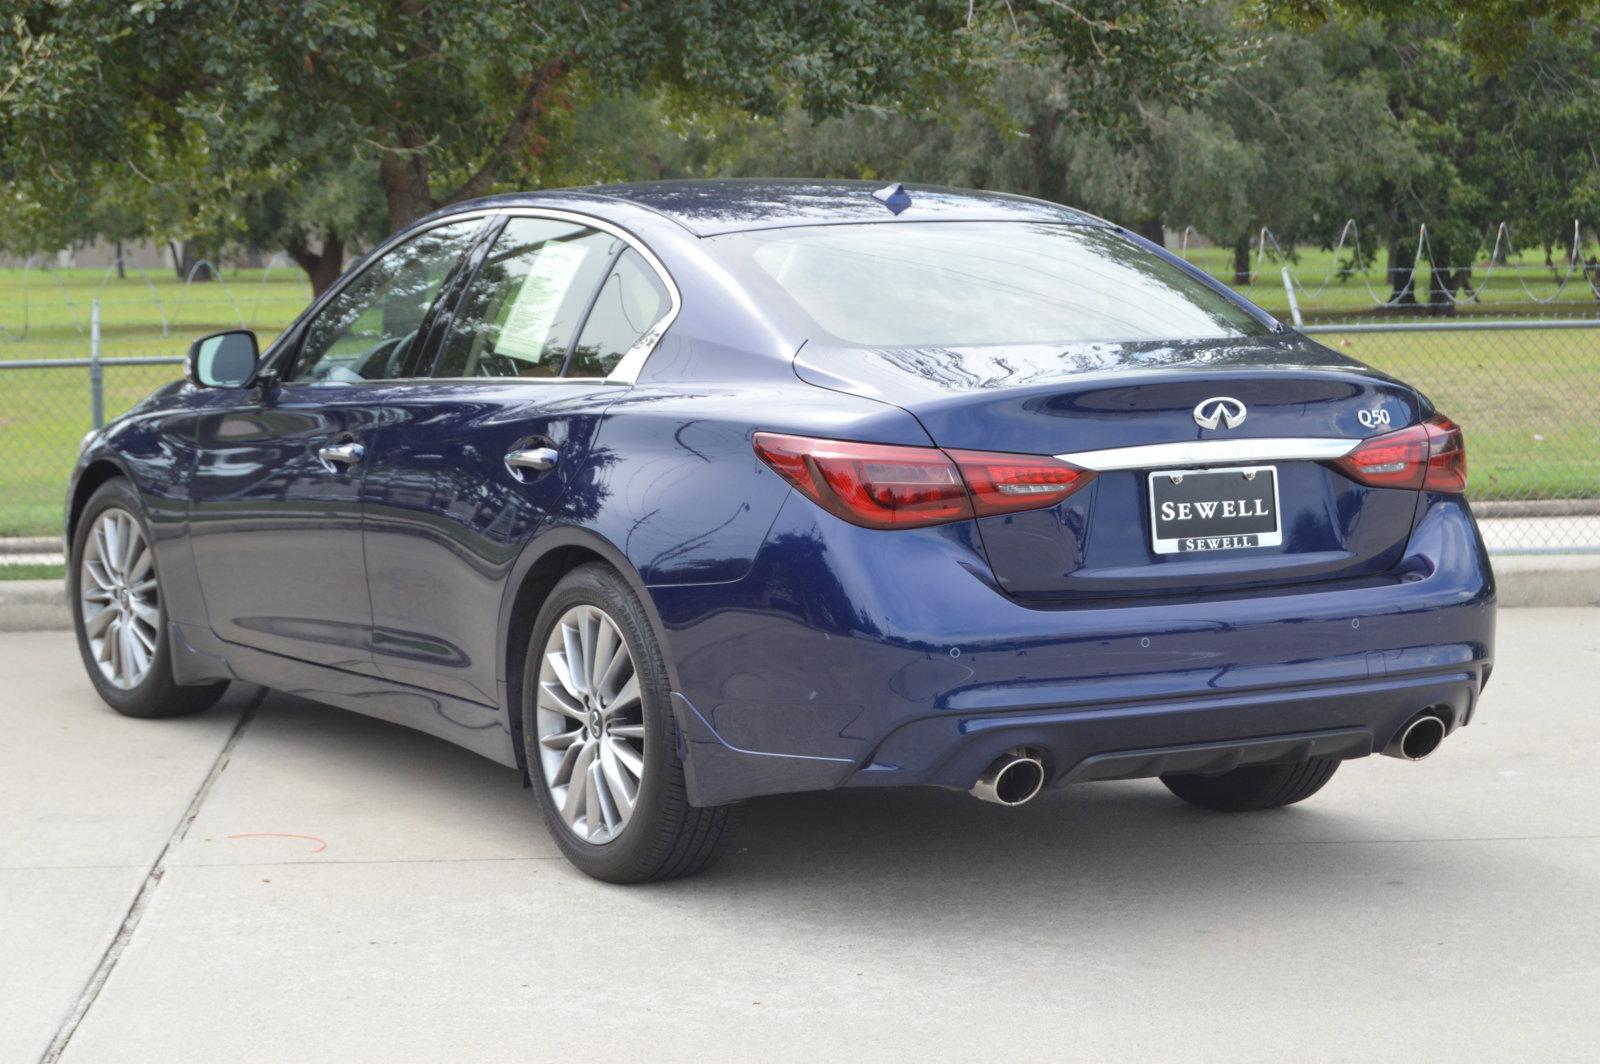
{"type": "Point", "coordinates": [45, 314]}
{"type": "Point", "coordinates": [33, 572]}
{"type": "Point", "coordinates": [1523, 286]}
{"type": "Point", "coordinates": [45, 412]}
{"type": "Point", "coordinates": [1529, 400]}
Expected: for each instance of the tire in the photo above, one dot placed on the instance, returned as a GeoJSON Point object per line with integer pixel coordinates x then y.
{"type": "Point", "coordinates": [1254, 787]}
{"type": "Point", "coordinates": [132, 595]}
{"type": "Point", "coordinates": [660, 835]}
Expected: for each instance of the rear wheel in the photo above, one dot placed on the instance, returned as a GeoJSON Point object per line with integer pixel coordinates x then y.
{"type": "Point", "coordinates": [1254, 786]}
{"type": "Point", "coordinates": [600, 740]}
{"type": "Point", "coordinates": [114, 587]}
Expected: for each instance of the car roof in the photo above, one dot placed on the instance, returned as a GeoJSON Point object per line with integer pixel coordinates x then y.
{"type": "Point", "coordinates": [707, 208]}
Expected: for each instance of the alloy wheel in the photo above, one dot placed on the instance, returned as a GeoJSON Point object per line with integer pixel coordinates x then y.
{"type": "Point", "coordinates": [590, 723]}
{"type": "Point", "coordinates": [118, 598]}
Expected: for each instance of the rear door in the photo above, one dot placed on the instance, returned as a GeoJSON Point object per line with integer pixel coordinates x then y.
{"type": "Point", "coordinates": [469, 464]}
{"type": "Point", "coordinates": [276, 497]}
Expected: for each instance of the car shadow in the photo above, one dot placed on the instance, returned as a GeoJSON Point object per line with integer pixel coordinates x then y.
{"type": "Point", "coordinates": [916, 858]}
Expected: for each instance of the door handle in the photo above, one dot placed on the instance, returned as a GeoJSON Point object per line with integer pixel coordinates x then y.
{"type": "Point", "coordinates": [336, 456]}
{"type": "Point", "coordinates": [531, 459]}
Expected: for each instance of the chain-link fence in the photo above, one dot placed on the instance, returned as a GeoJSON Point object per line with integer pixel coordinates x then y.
{"type": "Point", "coordinates": [46, 406]}
{"type": "Point", "coordinates": [1527, 394]}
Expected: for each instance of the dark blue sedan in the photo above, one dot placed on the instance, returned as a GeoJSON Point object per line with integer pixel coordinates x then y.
{"type": "Point", "coordinates": [671, 495]}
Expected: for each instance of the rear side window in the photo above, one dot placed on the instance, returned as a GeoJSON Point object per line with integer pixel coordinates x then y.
{"type": "Point", "coordinates": [632, 300]}
{"type": "Point", "coordinates": [519, 314]}
{"type": "Point", "coordinates": [923, 284]}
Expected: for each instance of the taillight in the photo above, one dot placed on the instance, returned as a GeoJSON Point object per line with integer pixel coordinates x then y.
{"type": "Point", "coordinates": [873, 484]}
{"type": "Point", "coordinates": [881, 485]}
{"type": "Point", "coordinates": [1429, 456]}
{"type": "Point", "coordinates": [1447, 457]}
{"type": "Point", "coordinates": [1006, 483]}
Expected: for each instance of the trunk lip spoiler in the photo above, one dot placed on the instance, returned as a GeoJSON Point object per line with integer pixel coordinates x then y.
{"type": "Point", "coordinates": [1212, 452]}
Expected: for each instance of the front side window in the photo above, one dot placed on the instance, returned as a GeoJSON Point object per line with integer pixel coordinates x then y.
{"type": "Point", "coordinates": [367, 330]}
{"type": "Point", "coordinates": [952, 284]}
{"type": "Point", "coordinates": [519, 314]}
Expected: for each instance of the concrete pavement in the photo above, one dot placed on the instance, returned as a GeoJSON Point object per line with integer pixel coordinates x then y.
{"type": "Point", "coordinates": [351, 891]}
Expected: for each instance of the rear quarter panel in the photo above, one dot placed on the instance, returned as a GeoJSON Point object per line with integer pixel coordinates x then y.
{"type": "Point", "coordinates": [674, 483]}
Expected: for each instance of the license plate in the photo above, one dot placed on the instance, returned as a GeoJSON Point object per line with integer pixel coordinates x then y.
{"type": "Point", "coordinates": [1214, 509]}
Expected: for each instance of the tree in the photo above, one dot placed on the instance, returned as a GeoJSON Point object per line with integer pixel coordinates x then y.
{"type": "Point", "coordinates": [433, 104]}
{"type": "Point", "coordinates": [1539, 146]}
{"type": "Point", "coordinates": [1286, 140]}
{"type": "Point", "coordinates": [1267, 135]}
{"type": "Point", "coordinates": [1494, 33]}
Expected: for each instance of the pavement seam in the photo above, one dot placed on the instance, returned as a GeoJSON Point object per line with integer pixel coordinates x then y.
{"type": "Point", "coordinates": [1241, 843]}
{"type": "Point", "coordinates": [141, 900]}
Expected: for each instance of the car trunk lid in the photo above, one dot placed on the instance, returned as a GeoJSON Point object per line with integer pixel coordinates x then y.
{"type": "Point", "coordinates": [1133, 412]}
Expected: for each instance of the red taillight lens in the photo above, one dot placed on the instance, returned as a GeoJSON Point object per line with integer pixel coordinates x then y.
{"type": "Point", "coordinates": [1447, 457]}
{"type": "Point", "coordinates": [882, 485]}
{"type": "Point", "coordinates": [1393, 460]}
{"type": "Point", "coordinates": [874, 484]}
{"type": "Point", "coordinates": [1429, 457]}
{"type": "Point", "coordinates": [1006, 483]}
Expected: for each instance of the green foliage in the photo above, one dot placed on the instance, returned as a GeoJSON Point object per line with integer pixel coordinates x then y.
{"type": "Point", "coordinates": [1389, 124]}
{"type": "Point", "coordinates": [260, 120]}
{"type": "Point", "coordinates": [319, 124]}
{"type": "Point", "coordinates": [1494, 33]}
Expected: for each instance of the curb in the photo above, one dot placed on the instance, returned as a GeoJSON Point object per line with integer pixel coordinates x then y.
{"type": "Point", "coordinates": [1547, 579]}
{"type": "Point", "coordinates": [1492, 508]}
{"type": "Point", "coordinates": [1522, 580]}
{"type": "Point", "coordinates": [31, 545]}
{"type": "Point", "coordinates": [33, 606]}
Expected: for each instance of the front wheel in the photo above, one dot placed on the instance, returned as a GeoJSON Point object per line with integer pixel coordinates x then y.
{"type": "Point", "coordinates": [1254, 787]}
{"type": "Point", "coordinates": [114, 587]}
{"type": "Point", "coordinates": [600, 740]}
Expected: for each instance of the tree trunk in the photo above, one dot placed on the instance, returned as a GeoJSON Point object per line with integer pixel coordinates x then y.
{"type": "Point", "coordinates": [1402, 291]}
{"type": "Point", "coordinates": [1154, 231]}
{"type": "Point", "coordinates": [403, 170]}
{"type": "Point", "coordinates": [1441, 287]}
{"type": "Point", "coordinates": [405, 182]}
{"type": "Point", "coordinates": [322, 268]}
{"type": "Point", "coordinates": [1442, 279]}
{"type": "Point", "coordinates": [1241, 261]}
{"type": "Point", "coordinates": [1041, 138]}
{"type": "Point", "coordinates": [122, 273]}
{"type": "Point", "coordinates": [185, 257]}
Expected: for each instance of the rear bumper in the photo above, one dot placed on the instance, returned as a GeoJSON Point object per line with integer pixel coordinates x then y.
{"type": "Point", "coordinates": [856, 658]}
{"type": "Point", "coordinates": [1339, 721]}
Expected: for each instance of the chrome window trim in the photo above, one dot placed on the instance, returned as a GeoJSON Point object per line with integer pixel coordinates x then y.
{"type": "Point", "coordinates": [626, 371]}
{"type": "Point", "coordinates": [1209, 452]}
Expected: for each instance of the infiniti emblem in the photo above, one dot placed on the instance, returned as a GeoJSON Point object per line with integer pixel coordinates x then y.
{"type": "Point", "coordinates": [1222, 408]}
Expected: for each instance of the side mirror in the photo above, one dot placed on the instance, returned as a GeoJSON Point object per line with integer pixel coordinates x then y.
{"type": "Point", "coordinates": [224, 359]}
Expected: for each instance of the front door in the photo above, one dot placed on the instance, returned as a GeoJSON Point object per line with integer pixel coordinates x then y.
{"type": "Point", "coordinates": [276, 498]}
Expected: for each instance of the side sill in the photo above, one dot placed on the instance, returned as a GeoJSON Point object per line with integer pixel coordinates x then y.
{"type": "Point", "coordinates": [484, 730]}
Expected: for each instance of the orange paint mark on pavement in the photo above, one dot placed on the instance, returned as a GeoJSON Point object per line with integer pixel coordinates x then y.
{"type": "Point", "coordinates": [321, 844]}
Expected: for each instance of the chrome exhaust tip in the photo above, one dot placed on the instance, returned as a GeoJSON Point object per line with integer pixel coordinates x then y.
{"type": "Point", "coordinates": [1015, 777]}
{"type": "Point", "coordinates": [1417, 739]}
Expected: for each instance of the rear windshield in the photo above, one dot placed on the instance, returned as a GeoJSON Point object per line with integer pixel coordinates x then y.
{"type": "Point", "coordinates": [950, 284]}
